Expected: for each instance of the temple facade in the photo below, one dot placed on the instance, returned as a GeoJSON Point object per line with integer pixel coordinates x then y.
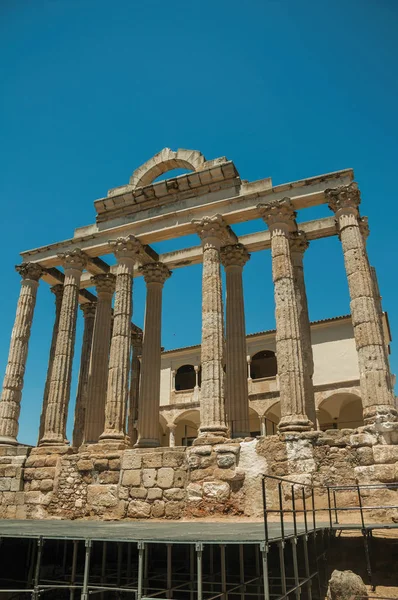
{"type": "Point", "coordinates": [231, 395]}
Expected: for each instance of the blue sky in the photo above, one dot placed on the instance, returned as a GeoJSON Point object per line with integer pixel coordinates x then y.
{"type": "Point", "coordinates": [286, 89]}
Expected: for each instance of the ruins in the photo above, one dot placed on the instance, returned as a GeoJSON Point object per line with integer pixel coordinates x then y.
{"type": "Point", "coordinates": [118, 465]}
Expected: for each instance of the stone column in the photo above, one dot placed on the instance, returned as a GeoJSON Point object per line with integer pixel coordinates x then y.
{"type": "Point", "coordinates": [59, 392]}
{"type": "Point", "coordinates": [234, 257]}
{"type": "Point", "coordinates": [374, 370]}
{"type": "Point", "coordinates": [136, 341]}
{"type": "Point", "coordinates": [10, 402]}
{"type": "Point", "coordinates": [155, 274]}
{"type": "Point", "coordinates": [298, 245]}
{"type": "Point", "coordinates": [88, 309]}
{"type": "Point", "coordinates": [98, 364]}
{"type": "Point", "coordinates": [214, 233]}
{"type": "Point", "coordinates": [127, 251]}
{"type": "Point", "coordinates": [280, 217]}
{"type": "Point", "coordinates": [172, 434]}
{"type": "Point", "coordinates": [58, 291]}
{"type": "Point", "coordinates": [263, 425]}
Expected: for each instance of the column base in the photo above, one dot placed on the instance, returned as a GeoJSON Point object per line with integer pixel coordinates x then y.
{"type": "Point", "coordinates": [295, 423]}
{"type": "Point", "coordinates": [211, 435]}
{"type": "Point", "coordinates": [380, 413]}
{"type": "Point", "coordinates": [147, 443]}
{"type": "Point", "coordinates": [8, 441]}
{"type": "Point", "coordinates": [47, 441]}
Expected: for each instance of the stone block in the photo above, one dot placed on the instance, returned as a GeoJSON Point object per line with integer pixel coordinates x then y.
{"type": "Point", "coordinates": [226, 460]}
{"type": "Point", "coordinates": [194, 461]}
{"type": "Point", "coordinates": [180, 477]}
{"type": "Point", "coordinates": [152, 460]}
{"type": "Point", "coordinates": [5, 484]}
{"type": "Point", "coordinates": [148, 477]}
{"type": "Point", "coordinates": [154, 493]}
{"type": "Point", "coordinates": [229, 474]}
{"type": "Point", "coordinates": [46, 485]}
{"type": "Point", "coordinates": [165, 477]}
{"type": "Point", "coordinates": [102, 496]}
{"type": "Point", "coordinates": [51, 461]}
{"type": "Point", "coordinates": [385, 454]}
{"type": "Point", "coordinates": [11, 512]}
{"type": "Point", "coordinates": [137, 509]}
{"type": "Point", "coordinates": [201, 450]}
{"type": "Point", "coordinates": [101, 464]}
{"type": "Point", "coordinates": [201, 474]}
{"type": "Point", "coordinates": [131, 477]}
{"type": "Point", "coordinates": [362, 439]}
{"type": "Point", "coordinates": [216, 490]}
{"type": "Point", "coordinates": [382, 473]}
{"type": "Point", "coordinates": [194, 492]}
{"type": "Point", "coordinates": [114, 464]}
{"type": "Point", "coordinates": [110, 477]}
{"type": "Point", "coordinates": [124, 492]}
{"type": "Point", "coordinates": [174, 509]}
{"type": "Point", "coordinates": [131, 460]}
{"type": "Point", "coordinates": [40, 473]}
{"type": "Point", "coordinates": [33, 497]}
{"type": "Point", "coordinates": [365, 456]}
{"type": "Point", "coordinates": [138, 493]}
{"type": "Point", "coordinates": [174, 494]}
{"type": "Point", "coordinates": [85, 465]}
{"type": "Point", "coordinates": [20, 512]}
{"type": "Point", "coordinates": [19, 498]}
{"type": "Point", "coordinates": [158, 509]}
{"type": "Point", "coordinates": [223, 448]}
{"type": "Point", "coordinates": [36, 461]}
{"type": "Point", "coordinates": [173, 459]}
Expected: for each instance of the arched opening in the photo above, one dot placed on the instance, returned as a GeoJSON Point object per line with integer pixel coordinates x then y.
{"type": "Point", "coordinates": [164, 161]}
{"type": "Point", "coordinates": [254, 423]}
{"type": "Point", "coordinates": [340, 411]}
{"type": "Point", "coordinates": [263, 365]}
{"type": "Point", "coordinates": [185, 378]}
{"type": "Point", "coordinates": [163, 431]}
{"type": "Point", "coordinates": [187, 428]}
{"type": "Point", "coordinates": [272, 418]}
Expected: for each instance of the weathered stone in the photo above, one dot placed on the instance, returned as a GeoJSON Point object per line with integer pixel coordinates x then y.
{"type": "Point", "coordinates": [216, 490]}
{"type": "Point", "coordinates": [174, 509]}
{"type": "Point", "coordinates": [362, 439]}
{"type": "Point", "coordinates": [382, 473]}
{"type": "Point", "coordinates": [41, 473]}
{"type": "Point", "coordinates": [365, 456]}
{"type": "Point", "coordinates": [152, 460]}
{"type": "Point", "coordinates": [201, 450]}
{"type": "Point", "coordinates": [385, 454]}
{"type": "Point", "coordinates": [131, 460]}
{"type": "Point", "coordinates": [46, 485]}
{"type": "Point", "coordinates": [194, 461]}
{"type": "Point", "coordinates": [158, 509]}
{"type": "Point", "coordinates": [100, 464]}
{"type": "Point", "coordinates": [155, 493]}
{"type": "Point", "coordinates": [346, 585]}
{"type": "Point", "coordinates": [138, 509]}
{"type": "Point", "coordinates": [173, 459]}
{"type": "Point", "coordinates": [85, 465]}
{"type": "Point", "coordinates": [201, 474]}
{"type": "Point", "coordinates": [165, 477]}
{"type": "Point", "coordinates": [180, 477]}
{"type": "Point", "coordinates": [110, 477]}
{"type": "Point", "coordinates": [194, 492]}
{"type": "Point", "coordinates": [132, 477]}
{"type": "Point", "coordinates": [114, 464]}
{"type": "Point", "coordinates": [138, 493]}
{"type": "Point", "coordinates": [227, 448]}
{"type": "Point", "coordinates": [5, 484]}
{"type": "Point", "coordinates": [149, 477]}
{"type": "Point", "coordinates": [226, 460]}
{"type": "Point", "coordinates": [174, 494]}
{"type": "Point", "coordinates": [228, 474]}
{"type": "Point", "coordinates": [102, 495]}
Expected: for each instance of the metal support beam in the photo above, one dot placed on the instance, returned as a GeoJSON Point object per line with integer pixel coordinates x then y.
{"type": "Point", "coordinates": [73, 571]}
{"type": "Point", "coordinates": [141, 557]}
{"type": "Point", "coordinates": [223, 573]}
{"type": "Point", "coordinates": [199, 562]}
{"type": "Point", "coordinates": [264, 553]}
{"type": "Point", "coordinates": [85, 592]}
{"type": "Point", "coordinates": [36, 592]}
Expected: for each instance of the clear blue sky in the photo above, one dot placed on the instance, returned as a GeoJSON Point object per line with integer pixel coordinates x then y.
{"type": "Point", "coordinates": [286, 89]}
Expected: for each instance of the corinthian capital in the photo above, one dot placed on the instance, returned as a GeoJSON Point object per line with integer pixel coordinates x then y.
{"type": "Point", "coordinates": [344, 199]}
{"type": "Point", "coordinates": [234, 255]}
{"type": "Point", "coordinates": [74, 259]}
{"type": "Point", "coordinates": [364, 227]}
{"type": "Point", "coordinates": [126, 247]}
{"type": "Point", "coordinates": [104, 283]}
{"type": "Point", "coordinates": [30, 270]}
{"type": "Point", "coordinates": [214, 230]}
{"type": "Point", "coordinates": [279, 214]}
{"type": "Point", "coordinates": [155, 272]}
{"type": "Point", "coordinates": [88, 309]}
{"type": "Point", "coordinates": [298, 242]}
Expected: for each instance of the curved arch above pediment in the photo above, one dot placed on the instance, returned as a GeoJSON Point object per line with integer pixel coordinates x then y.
{"type": "Point", "coordinates": [164, 161]}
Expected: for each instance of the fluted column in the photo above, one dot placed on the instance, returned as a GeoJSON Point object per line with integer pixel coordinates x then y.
{"type": "Point", "coordinates": [136, 341]}
{"type": "Point", "coordinates": [127, 251]}
{"type": "Point", "coordinates": [14, 377]}
{"type": "Point", "coordinates": [213, 233]}
{"type": "Point", "coordinates": [88, 309]}
{"type": "Point", "coordinates": [61, 374]}
{"type": "Point", "coordinates": [374, 370]}
{"type": "Point", "coordinates": [280, 217]}
{"type": "Point", "coordinates": [234, 257]}
{"type": "Point", "coordinates": [58, 291]}
{"type": "Point", "coordinates": [298, 245]}
{"type": "Point", "coordinates": [98, 364]}
{"type": "Point", "coordinates": [155, 274]}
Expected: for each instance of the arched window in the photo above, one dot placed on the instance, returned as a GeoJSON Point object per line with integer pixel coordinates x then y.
{"type": "Point", "coordinates": [263, 365]}
{"type": "Point", "coordinates": [185, 378]}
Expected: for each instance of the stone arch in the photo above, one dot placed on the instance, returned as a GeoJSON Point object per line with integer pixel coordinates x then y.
{"type": "Point", "coordinates": [263, 365]}
{"type": "Point", "coordinates": [187, 428]}
{"type": "Point", "coordinates": [340, 410]}
{"type": "Point", "coordinates": [164, 161]}
{"type": "Point", "coordinates": [185, 377]}
{"type": "Point", "coordinates": [272, 417]}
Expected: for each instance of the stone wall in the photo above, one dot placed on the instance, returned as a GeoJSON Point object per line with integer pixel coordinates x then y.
{"type": "Point", "coordinates": [110, 483]}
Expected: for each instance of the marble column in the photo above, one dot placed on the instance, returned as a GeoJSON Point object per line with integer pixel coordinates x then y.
{"type": "Point", "coordinates": [213, 233]}
{"type": "Point", "coordinates": [263, 425]}
{"type": "Point", "coordinates": [98, 364]}
{"type": "Point", "coordinates": [58, 291]}
{"type": "Point", "coordinates": [61, 374]}
{"type": "Point", "coordinates": [88, 309]}
{"type": "Point", "coordinates": [234, 258]}
{"type": "Point", "coordinates": [127, 251]}
{"type": "Point", "coordinates": [155, 274]}
{"type": "Point", "coordinates": [172, 434]}
{"type": "Point", "coordinates": [280, 217]}
{"type": "Point", "coordinates": [136, 341]}
{"type": "Point", "coordinates": [298, 245]}
{"type": "Point", "coordinates": [10, 401]}
{"type": "Point", "coordinates": [374, 370]}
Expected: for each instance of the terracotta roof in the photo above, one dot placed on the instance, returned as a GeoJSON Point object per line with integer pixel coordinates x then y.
{"type": "Point", "coordinates": [267, 331]}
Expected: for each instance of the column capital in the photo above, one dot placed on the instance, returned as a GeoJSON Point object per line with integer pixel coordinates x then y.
{"type": "Point", "coordinates": [214, 231]}
{"type": "Point", "coordinates": [298, 245]}
{"type": "Point", "coordinates": [155, 272]}
{"type": "Point", "coordinates": [364, 227]}
{"type": "Point", "coordinates": [104, 283]}
{"type": "Point", "coordinates": [30, 270]}
{"type": "Point", "coordinates": [126, 248]}
{"type": "Point", "coordinates": [279, 214]}
{"type": "Point", "coordinates": [172, 426]}
{"type": "Point", "coordinates": [88, 309]}
{"type": "Point", "coordinates": [74, 260]}
{"type": "Point", "coordinates": [344, 199]}
{"type": "Point", "coordinates": [234, 255]}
